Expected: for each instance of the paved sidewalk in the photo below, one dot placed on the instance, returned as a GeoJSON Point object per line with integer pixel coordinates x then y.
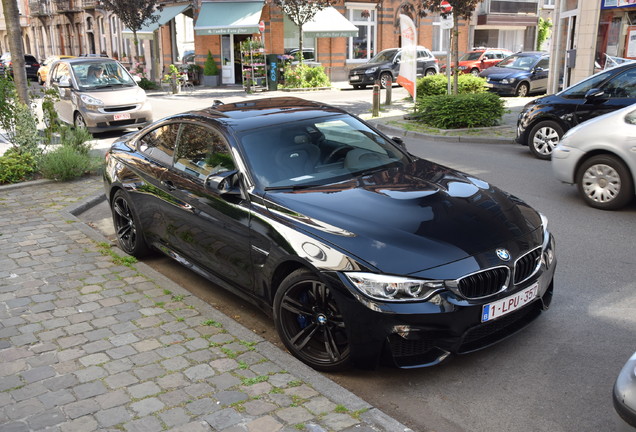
{"type": "Point", "coordinates": [90, 340]}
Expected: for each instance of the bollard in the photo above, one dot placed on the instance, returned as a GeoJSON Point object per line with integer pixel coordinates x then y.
{"type": "Point", "coordinates": [376, 101]}
{"type": "Point", "coordinates": [389, 91]}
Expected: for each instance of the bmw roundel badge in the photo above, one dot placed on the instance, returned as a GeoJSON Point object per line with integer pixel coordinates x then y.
{"type": "Point", "coordinates": [503, 254]}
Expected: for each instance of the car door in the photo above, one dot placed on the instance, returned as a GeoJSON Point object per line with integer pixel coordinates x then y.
{"type": "Point", "coordinates": [210, 229]}
{"type": "Point", "coordinates": [619, 92]}
{"type": "Point", "coordinates": [539, 77]}
{"type": "Point", "coordinates": [64, 105]}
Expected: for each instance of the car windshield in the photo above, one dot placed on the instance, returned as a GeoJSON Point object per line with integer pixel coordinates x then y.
{"type": "Point", "coordinates": [518, 62]}
{"type": "Point", "coordinates": [316, 152]}
{"type": "Point", "coordinates": [471, 56]}
{"type": "Point", "coordinates": [384, 56]}
{"type": "Point", "coordinates": [101, 74]}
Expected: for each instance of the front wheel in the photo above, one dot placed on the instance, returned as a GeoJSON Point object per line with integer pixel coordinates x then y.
{"type": "Point", "coordinates": [309, 322]}
{"type": "Point", "coordinates": [79, 121]}
{"type": "Point", "coordinates": [605, 183]}
{"type": "Point", "coordinates": [474, 71]}
{"type": "Point", "coordinates": [430, 72]}
{"type": "Point", "coordinates": [543, 138]}
{"type": "Point", "coordinates": [127, 226]}
{"type": "Point", "coordinates": [385, 79]}
{"type": "Point", "coordinates": [522, 90]}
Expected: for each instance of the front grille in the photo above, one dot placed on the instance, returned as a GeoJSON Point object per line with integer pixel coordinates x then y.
{"type": "Point", "coordinates": [119, 109]}
{"type": "Point", "coordinates": [483, 284]}
{"type": "Point", "coordinates": [123, 122]}
{"type": "Point", "coordinates": [493, 331]}
{"type": "Point", "coordinates": [527, 265]}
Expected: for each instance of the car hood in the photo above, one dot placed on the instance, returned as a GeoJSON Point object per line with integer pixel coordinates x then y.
{"type": "Point", "coordinates": [409, 219]}
{"type": "Point", "coordinates": [497, 72]}
{"type": "Point", "coordinates": [118, 95]}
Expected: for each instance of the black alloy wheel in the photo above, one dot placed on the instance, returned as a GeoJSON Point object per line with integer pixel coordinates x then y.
{"type": "Point", "coordinates": [605, 182]}
{"type": "Point", "coordinates": [127, 226]}
{"type": "Point", "coordinates": [309, 322]}
{"type": "Point", "coordinates": [543, 138]}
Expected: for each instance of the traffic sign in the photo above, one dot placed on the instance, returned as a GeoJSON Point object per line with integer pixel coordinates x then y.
{"type": "Point", "coordinates": [261, 26]}
{"type": "Point", "coordinates": [446, 23]}
{"type": "Point", "coordinates": [445, 6]}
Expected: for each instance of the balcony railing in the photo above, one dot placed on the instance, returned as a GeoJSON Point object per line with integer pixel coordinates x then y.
{"type": "Point", "coordinates": [90, 4]}
{"type": "Point", "coordinates": [514, 7]}
{"type": "Point", "coordinates": [39, 8]}
{"type": "Point", "coordinates": [66, 6]}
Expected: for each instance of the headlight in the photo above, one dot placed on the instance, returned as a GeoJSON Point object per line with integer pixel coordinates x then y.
{"type": "Point", "coordinates": [371, 70]}
{"type": "Point", "coordinates": [384, 287]}
{"type": "Point", "coordinates": [91, 102]}
{"type": "Point", "coordinates": [507, 80]}
{"type": "Point", "coordinates": [548, 246]}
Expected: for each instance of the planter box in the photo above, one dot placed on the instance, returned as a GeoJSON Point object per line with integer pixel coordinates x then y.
{"type": "Point", "coordinates": [211, 80]}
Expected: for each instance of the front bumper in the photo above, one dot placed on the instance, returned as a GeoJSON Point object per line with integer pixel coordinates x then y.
{"type": "Point", "coordinates": [362, 79]}
{"type": "Point", "coordinates": [565, 161]}
{"type": "Point", "coordinates": [420, 334]}
{"type": "Point", "coordinates": [139, 115]}
{"type": "Point", "coordinates": [502, 89]}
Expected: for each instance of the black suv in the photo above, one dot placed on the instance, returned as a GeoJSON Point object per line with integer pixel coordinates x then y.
{"type": "Point", "coordinates": [386, 64]}
{"type": "Point", "coordinates": [30, 63]}
{"type": "Point", "coordinates": [543, 121]}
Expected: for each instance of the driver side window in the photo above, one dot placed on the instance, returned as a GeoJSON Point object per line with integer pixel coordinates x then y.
{"type": "Point", "coordinates": [622, 86]}
{"type": "Point", "coordinates": [202, 151]}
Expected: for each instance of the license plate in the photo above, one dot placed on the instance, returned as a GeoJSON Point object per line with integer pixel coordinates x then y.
{"type": "Point", "coordinates": [27, 66]}
{"type": "Point", "coordinates": [509, 304]}
{"type": "Point", "coordinates": [123, 116]}
{"type": "Point", "coordinates": [354, 78]}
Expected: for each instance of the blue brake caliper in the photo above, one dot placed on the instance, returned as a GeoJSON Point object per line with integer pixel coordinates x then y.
{"type": "Point", "coordinates": [303, 320]}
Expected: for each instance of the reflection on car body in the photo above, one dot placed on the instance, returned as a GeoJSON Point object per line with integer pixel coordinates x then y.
{"type": "Point", "coordinates": [359, 250]}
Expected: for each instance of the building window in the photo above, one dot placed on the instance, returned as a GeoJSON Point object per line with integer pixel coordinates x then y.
{"type": "Point", "coordinates": [440, 39]}
{"type": "Point", "coordinates": [548, 4]}
{"type": "Point", "coordinates": [362, 47]}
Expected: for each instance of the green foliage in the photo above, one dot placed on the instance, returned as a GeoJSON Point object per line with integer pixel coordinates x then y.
{"type": "Point", "coordinates": [8, 96]}
{"type": "Point", "coordinates": [49, 113]}
{"type": "Point", "coordinates": [543, 31]}
{"type": "Point", "coordinates": [146, 84]}
{"type": "Point", "coordinates": [460, 111]}
{"type": "Point", "coordinates": [303, 76]}
{"type": "Point", "coordinates": [16, 166]}
{"type": "Point", "coordinates": [24, 133]}
{"type": "Point", "coordinates": [436, 85]}
{"type": "Point", "coordinates": [66, 163]}
{"type": "Point", "coordinates": [209, 67]}
{"type": "Point", "coordinates": [79, 139]}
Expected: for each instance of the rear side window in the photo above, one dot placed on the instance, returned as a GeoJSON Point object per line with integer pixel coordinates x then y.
{"type": "Point", "coordinates": [30, 59]}
{"type": "Point", "coordinates": [202, 151]}
{"type": "Point", "coordinates": [159, 143]}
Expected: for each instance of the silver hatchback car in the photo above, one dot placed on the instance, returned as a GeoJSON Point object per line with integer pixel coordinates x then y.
{"type": "Point", "coordinates": [600, 158]}
{"type": "Point", "coordinates": [98, 94]}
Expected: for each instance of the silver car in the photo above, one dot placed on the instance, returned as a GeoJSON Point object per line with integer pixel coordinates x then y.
{"type": "Point", "coordinates": [598, 156]}
{"type": "Point", "coordinates": [99, 94]}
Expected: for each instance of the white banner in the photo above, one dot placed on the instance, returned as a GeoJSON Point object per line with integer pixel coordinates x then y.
{"type": "Point", "coordinates": [408, 62]}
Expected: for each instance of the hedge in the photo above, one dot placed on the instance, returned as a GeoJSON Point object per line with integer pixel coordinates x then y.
{"type": "Point", "coordinates": [460, 111]}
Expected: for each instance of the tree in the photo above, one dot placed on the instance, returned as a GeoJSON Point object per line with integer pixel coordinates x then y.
{"type": "Point", "coordinates": [543, 32]}
{"type": "Point", "coordinates": [12, 19]}
{"type": "Point", "coordinates": [134, 14]}
{"type": "Point", "coordinates": [462, 9]}
{"type": "Point", "coordinates": [300, 12]}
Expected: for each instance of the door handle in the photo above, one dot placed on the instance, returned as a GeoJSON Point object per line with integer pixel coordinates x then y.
{"type": "Point", "coordinates": [168, 184]}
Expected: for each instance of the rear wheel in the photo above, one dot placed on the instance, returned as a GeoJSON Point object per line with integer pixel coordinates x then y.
{"type": "Point", "coordinates": [430, 72]}
{"type": "Point", "coordinates": [127, 226]}
{"type": "Point", "coordinates": [474, 71]}
{"type": "Point", "coordinates": [385, 79]}
{"type": "Point", "coordinates": [543, 138]}
{"type": "Point", "coordinates": [309, 322]}
{"type": "Point", "coordinates": [605, 183]}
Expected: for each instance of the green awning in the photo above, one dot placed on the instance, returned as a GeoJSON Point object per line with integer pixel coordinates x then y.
{"type": "Point", "coordinates": [233, 17]}
{"type": "Point", "coordinates": [147, 31]}
{"type": "Point", "coordinates": [327, 23]}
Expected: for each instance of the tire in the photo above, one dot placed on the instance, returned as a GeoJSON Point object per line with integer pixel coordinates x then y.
{"type": "Point", "coordinates": [543, 138]}
{"type": "Point", "coordinates": [474, 71]}
{"type": "Point", "coordinates": [79, 121]}
{"type": "Point", "coordinates": [309, 322]}
{"type": "Point", "coordinates": [127, 226]}
{"type": "Point", "coordinates": [384, 79]}
{"type": "Point", "coordinates": [522, 90]}
{"type": "Point", "coordinates": [430, 72]}
{"type": "Point", "coordinates": [605, 182]}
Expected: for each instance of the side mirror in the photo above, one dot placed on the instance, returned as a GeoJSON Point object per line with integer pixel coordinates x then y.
{"type": "Point", "coordinates": [399, 141]}
{"type": "Point", "coordinates": [64, 82]}
{"type": "Point", "coordinates": [221, 183]}
{"type": "Point", "coordinates": [595, 94]}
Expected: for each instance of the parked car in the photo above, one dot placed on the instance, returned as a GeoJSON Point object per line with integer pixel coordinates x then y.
{"type": "Point", "coordinates": [479, 59]}
{"type": "Point", "coordinates": [598, 156]}
{"type": "Point", "coordinates": [308, 54]}
{"type": "Point", "coordinates": [624, 396]}
{"type": "Point", "coordinates": [354, 246]}
{"type": "Point", "coordinates": [543, 121]}
{"type": "Point", "coordinates": [46, 64]}
{"type": "Point", "coordinates": [111, 101]}
{"type": "Point", "coordinates": [31, 65]}
{"type": "Point", "coordinates": [520, 74]}
{"type": "Point", "coordinates": [386, 64]}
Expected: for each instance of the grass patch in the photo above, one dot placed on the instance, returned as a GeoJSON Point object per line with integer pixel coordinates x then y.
{"type": "Point", "coordinates": [255, 380]}
{"type": "Point", "coordinates": [106, 250]}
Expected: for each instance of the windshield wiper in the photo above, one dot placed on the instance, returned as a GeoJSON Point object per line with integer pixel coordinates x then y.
{"type": "Point", "coordinates": [292, 187]}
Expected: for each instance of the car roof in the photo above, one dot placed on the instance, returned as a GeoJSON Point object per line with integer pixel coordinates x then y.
{"type": "Point", "coordinates": [259, 113]}
{"type": "Point", "coordinates": [87, 60]}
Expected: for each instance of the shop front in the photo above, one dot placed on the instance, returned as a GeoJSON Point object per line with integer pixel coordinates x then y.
{"type": "Point", "coordinates": [616, 32]}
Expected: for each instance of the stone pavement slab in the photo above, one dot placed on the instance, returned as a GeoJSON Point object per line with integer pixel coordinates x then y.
{"type": "Point", "coordinates": [91, 340]}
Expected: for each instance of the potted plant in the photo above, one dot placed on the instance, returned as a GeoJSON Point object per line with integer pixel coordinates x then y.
{"type": "Point", "coordinates": [210, 72]}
